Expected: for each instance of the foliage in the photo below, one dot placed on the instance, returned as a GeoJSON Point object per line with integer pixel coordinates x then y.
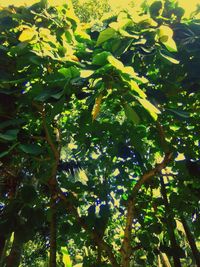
{"type": "Point", "coordinates": [99, 137]}
{"type": "Point", "coordinates": [90, 10]}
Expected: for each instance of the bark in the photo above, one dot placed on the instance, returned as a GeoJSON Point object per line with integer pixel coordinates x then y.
{"type": "Point", "coordinates": [53, 243]}
{"type": "Point", "coordinates": [13, 260]}
{"type": "Point", "coordinates": [2, 245]}
{"type": "Point", "coordinates": [164, 260]}
{"type": "Point", "coordinates": [191, 241]}
{"type": "Point", "coordinates": [169, 220]}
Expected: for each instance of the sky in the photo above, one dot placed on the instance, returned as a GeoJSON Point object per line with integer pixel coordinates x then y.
{"type": "Point", "coordinates": [188, 5]}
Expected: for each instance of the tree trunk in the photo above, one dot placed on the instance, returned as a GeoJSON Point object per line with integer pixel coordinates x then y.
{"type": "Point", "coordinates": [2, 245]}
{"type": "Point", "coordinates": [164, 260]}
{"type": "Point", "coordinates": [53, 245]}
{"type": "Point", "coordinates": [191, 241]}
{"type": "Point", "coordinates": [169, 220]}
{"type": "Point", "coordinates": [13, 260]}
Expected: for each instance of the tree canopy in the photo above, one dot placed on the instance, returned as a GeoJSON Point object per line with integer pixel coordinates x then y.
{"type": "Point", "coordinates": [99, 137]}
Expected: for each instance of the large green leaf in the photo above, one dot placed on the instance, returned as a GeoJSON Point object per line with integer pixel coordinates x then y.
{"type": "Point", "coordinates": [115, 63]}
{"type": "Point", "coordinates": [32, 149]}
{"type": "Point", "coordinates": [9, 135]}
{"type": "Point", "coordinates": [106, 35]}
{"type": "Point", "coordinates": [100, 59]}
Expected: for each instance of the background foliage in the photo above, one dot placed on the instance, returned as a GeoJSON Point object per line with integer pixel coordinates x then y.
{"type": "Point", "coordinates": [99, 136]}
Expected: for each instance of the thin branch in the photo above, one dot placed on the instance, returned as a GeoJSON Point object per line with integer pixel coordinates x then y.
{"type": "Point", "coordinates": [48, 137]}
{"type": "Point", "coordinates": [52, 185]}
{"type": "Point", "coordinates": [126, 245]}
{"type": "Point", "coordinates": [99, 241]}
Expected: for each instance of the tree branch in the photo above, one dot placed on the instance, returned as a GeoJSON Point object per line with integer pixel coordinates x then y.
{"type": "Point", "coordinates": [126, 245]}
{"type": "Point", "coordinates": [52, 185]}
{"type": "Point", "coordinates": [99, 241]}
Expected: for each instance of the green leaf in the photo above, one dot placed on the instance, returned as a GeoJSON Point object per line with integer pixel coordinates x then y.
{"type": "Point", "coordinates": [134, 87]}
{"type": "Point", "coordinates": [10, 135]}
{"type": "Point", "coordinates": [179, 113]}
{"type": "Point", "coordinates": [48, 93]}
{"type": "Point", "coordinates": [71, 72]}
{"type": "Point", "coordinates": [32, 149]}
{"type": "Point", "coordinates": [66, 72]}
{"type": "Point", "coordinates": [66, 258]}
{"type": "Point", "coordinates": [168, 56]}
{"type": "Point", "coordinates": [131, 114]}
{"type": "Point", "coordinates": [100, 59]}
{"type": "Point", "coordinates": [105, 35]}
{"type": "Point", "coordinates": [170, 45]}
{"type": "Point", "coordinates": [116, 63]}
{"type": "Point", "coordinates": [27, 35]}
{"type": "Point", "coordinates": [149, 107]}
{"type": "Point", "coordinates": [86, 73]}
{"type": "Point", "coordinates": [164, 33]}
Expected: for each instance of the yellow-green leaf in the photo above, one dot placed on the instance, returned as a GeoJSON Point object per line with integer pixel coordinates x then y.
{"type": "Point", "coordinates": [66, 258]}
{"type": "Point", "coordinates": [115, 63]}
{"type": "Point", "coordinates": [96, 107]}
{"type": "Point", "coordinates": [27, 35]}
{"type": "Point", "coordinates": [164, 32]}
{"type": "Point", "coordinates": [134, 86]}
{"type": "Point", "coordinates": [86, 73]}
{"type": "Point", "coordinates": [170, 45]}
{"type": "Point", "coordinates": [150, 108]}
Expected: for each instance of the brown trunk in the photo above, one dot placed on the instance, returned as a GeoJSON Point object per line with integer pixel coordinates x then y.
{"type": "Point", "coordinates": [13, 260]}
{"type": "Point", "coordinates": [2, 245]}
{"type": "Point", "coordinates": [191, 241]}
{"type": "Point", "coordinates": [169, 221]}
{"type": "Point", "coordinates": [53, 245]}
{"type": "Point", "coordinates": [126, 248]}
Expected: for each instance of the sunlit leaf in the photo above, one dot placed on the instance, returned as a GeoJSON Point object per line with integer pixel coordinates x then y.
{"type": "Point", "coordinates": [105, 35]}
{"type": "Point", "coordinates": [169, 57]}
{"type": "Point", "coordinates": [134, 86]}
{"type": "Point", "coordinates": [150, 108]}
{"type": "Point", "coordinates": [66, 257]}
{"type": "Point", "coordinates": [170, 45]}
{"type": "Point", "coordinates": [86, 73]}
{"type": "Point", "coordinates": [164, 33]}
{"type": "Point", "coordinates": [27, 35]}
{"type": "Point", "coordinates": [115, 63]}
{"type": "Point", "coordinates": [96, 107]}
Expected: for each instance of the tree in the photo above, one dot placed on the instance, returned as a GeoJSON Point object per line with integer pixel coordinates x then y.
{"type": "Point", "coordinates": [99, 137]}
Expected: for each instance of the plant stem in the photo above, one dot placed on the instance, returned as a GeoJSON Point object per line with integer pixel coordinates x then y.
{"type": "Point", "coordinates": [13, 260]}
{"type": "Point", "coordinates": [191, 241]}
{"type": "Point", "coordinates": [169, 220]}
